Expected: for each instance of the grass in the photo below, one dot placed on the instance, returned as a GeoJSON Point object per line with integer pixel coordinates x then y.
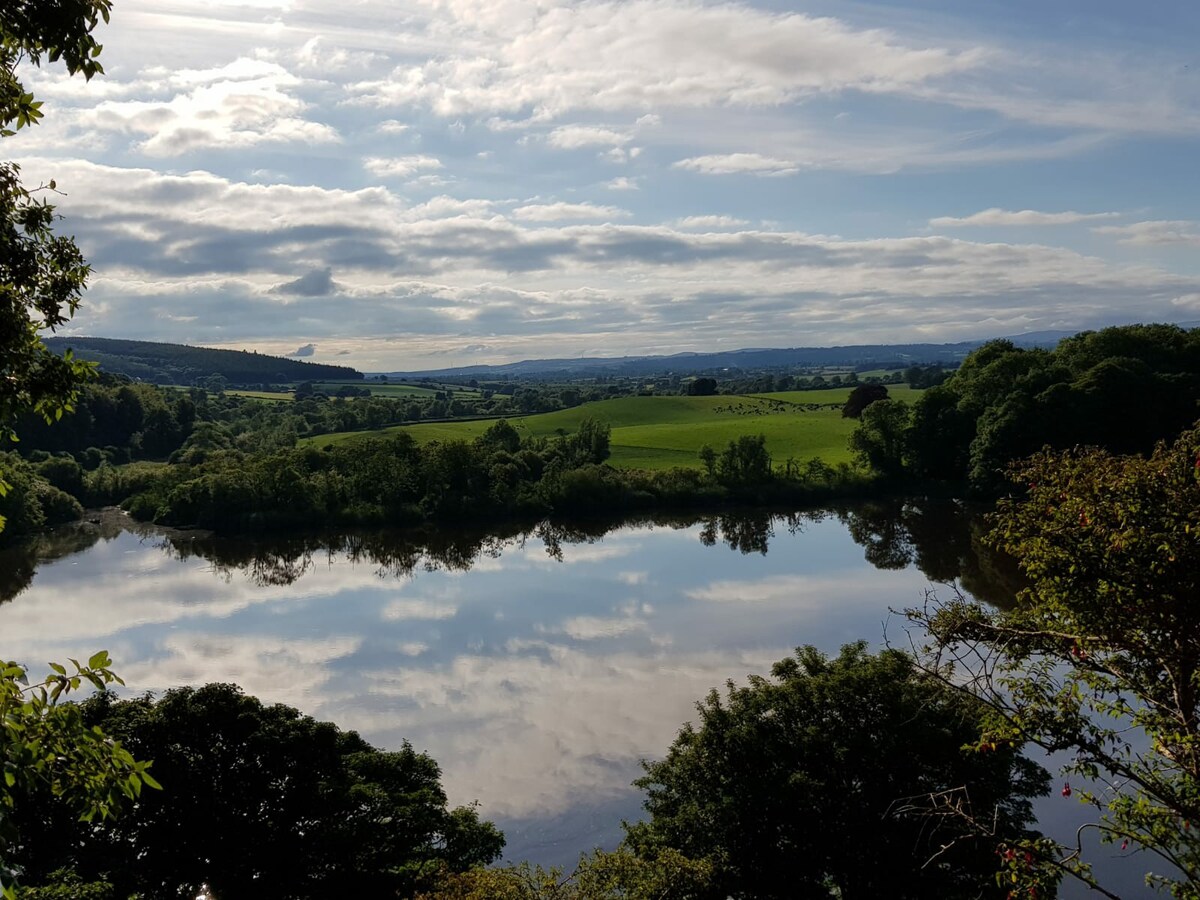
{"type": "Point", "coordinates": [379, 389]}
{"type": "Point", "coordinates": [261, 395]}
{"type": "Point", "coordinates": [661, 432]}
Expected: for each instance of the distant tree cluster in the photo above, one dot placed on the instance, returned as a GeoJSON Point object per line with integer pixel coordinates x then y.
{"type": "Point", "coordinates": [1122, 388]}
{"type": "Point", "coordinates": [862, 397]}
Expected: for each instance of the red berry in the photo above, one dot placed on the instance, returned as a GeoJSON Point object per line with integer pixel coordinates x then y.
{"type": "Point", "coordinates": [1066, 791]}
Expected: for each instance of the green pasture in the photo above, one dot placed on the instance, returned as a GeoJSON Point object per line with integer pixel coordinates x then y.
{"type": "Point", "coordinates": [261, 395]}
{"type": "Point", "coordinates": [839, 395]}
{"type": "Point", "coordinates": [661, 432]}
{"type": "Point", "coordinates": [395, 390]}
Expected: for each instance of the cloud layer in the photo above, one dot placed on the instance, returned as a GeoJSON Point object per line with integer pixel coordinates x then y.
{"type": "Point", "coordinates": [403, 183]}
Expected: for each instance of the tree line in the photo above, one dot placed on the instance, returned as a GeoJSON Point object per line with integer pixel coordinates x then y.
{"type": "Point", "coordinates": [1123, 388]}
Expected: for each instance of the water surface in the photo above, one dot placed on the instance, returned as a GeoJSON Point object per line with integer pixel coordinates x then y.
{"type": "Point", "coordinates": [538, 666]}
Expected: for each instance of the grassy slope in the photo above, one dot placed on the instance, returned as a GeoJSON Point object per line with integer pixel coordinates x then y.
{"type": "Point", "coordinates": [396, 390]}
{"type": "Point", "coordinates": [660, 432]}
{"type": "Point", "coordinates": [261, 395]}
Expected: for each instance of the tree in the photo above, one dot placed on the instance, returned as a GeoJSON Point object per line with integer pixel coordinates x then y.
{"type": "Point", "coordinates": [702, 387]}
{"type": "Point", "coordinates": [744, 461]}
{"type": "Point", "coordinates": [619, 875]}
{"type": "Point", "coordinates": [880, 438]}
{"type": "Point", "coordinates": [1101, 658]}
{"type": "Point", "coordinates": [41, 276]}
{"type": "Point", "coordinates": [44, 746]}
{"type": "Point", "coordinates": [49, 753]}
{"type": "Point", "coordinates": [818, 782]}
{"type": "Point", "coordinates": [862, 397]}
{"type": "Point", "coordinates": [262, 802]}
{"type": "Point", "coordinates": [502, 436]}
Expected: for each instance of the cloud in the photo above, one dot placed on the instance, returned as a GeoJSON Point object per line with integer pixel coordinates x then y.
{"type": "Point", "coordinates": [306, 350]}
{"type": "Point", "coordinates": [737, 164]}
{"type": "Point", "coordinates": [317, 283]}
{"type": "Point", "coordinates": [434, 277]}
{"type": "Point", "coordinates": [1154, 233]}
{"type": "Point", "coordinates": [622, 183]}
{"type": "Point", "coordinates": [709, 222]}
{"type": "Point", "coordinates": [645, 54]}
{"type": "Point", "coordinates": [1024, 217]}
{"type": "Point", "coordinates": [400, 166]}
{"type": "Point", "coordinates": [556, 212]}
{"type": "Point", "coordinates": [274, 669]}
{"type": "Point", "coordinates": [244, 104]}
{"type": "Point", "coordinates": [592, 628]}
{"type": "Point", "coordinates": [573, 137]}
{"type": "Point", "coordinates": [418, 608]}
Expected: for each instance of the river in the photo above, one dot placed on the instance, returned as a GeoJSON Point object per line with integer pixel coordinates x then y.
{"type": "Point", "coordinates": [538, 666]}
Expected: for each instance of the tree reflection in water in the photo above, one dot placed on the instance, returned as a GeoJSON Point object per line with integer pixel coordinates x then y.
{"type": "Point", "coordinates": [942, 538]}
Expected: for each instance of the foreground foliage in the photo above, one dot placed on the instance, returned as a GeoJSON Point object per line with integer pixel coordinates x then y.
{"type": "Point", "coordinates": [1102, 656]}
{"type": "Point", "coordinates": [829, 779]}
{"type": "Point", "coordinates": [48, 751]}
{"type": "Point", "coordinates": [259, 801]}
{"type": "Point", "coordinates": [42, 275]}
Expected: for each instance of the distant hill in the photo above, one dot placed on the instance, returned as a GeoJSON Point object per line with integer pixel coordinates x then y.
{"type": "Point", "coordinates": [181, 364]}
{"type": "Point", "coordinates": [869, 355]}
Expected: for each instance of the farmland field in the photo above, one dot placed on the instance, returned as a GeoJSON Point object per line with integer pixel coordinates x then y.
{"type": "Point", "coordinates": [262, 395]}
{"type": "Point", "coordinates": [661, 432]}
{"type": "Point", "coordinates": [378, 389]}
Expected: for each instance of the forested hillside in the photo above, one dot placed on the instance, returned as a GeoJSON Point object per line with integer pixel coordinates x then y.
{"type": "Point", "coordinates": [181, 364]}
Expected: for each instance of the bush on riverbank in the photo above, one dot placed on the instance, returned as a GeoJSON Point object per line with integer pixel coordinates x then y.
{"type": "Point", "coordinates": [30, 503]}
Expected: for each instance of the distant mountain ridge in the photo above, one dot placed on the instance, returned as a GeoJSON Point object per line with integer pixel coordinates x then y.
{"type": "Point", "coordinates": [874, 355]}
{"type": "Point", "coordinates": [183, 364]}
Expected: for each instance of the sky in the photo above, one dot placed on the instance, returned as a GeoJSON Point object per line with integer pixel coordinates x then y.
{"type": "Point", "coordinates": [416, 184]}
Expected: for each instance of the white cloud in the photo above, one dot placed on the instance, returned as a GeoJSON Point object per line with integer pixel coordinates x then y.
{"type": "Point", "coordinates": [274, 669]}
{"type": "Point", "coordinates": [500, 725]}
{"type": "Point", "coordinates": [419, 608]}
{"type": "Point", "coordinates": [591, 628]}
{"type": "Point", "coordinates": [572, 137]}
{"type": "Point", "coordinates": [622, 183]}
{"type": "Point", "coordinates": [1024, 217]}
{"type": "Point", "coordinates": [643, 54]}
{"type": "Point", "coordinates": [435, 277]}
{"type": "Point", "coordinates": [557, 212]}
{"type": "Point", "coordinates": [1154, 233]}
{"type": "Point", "coordinates": [710, 222]}
{"type": "Point", "coordinates": [245, 104]}
{"type": "Point", "coordinates": [737, 164]}
{"type": "Point", "coordinates": [400, 166]}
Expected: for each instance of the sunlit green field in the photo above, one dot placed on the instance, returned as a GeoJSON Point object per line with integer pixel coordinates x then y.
{"type": "Point", "coordinates": [661, 432]}
{"type": "Point", "coordinates": [261, 395]}
{"type": "Point", "coordinates": [394, 390]}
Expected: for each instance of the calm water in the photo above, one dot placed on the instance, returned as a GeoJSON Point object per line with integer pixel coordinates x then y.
{"type": "Point", "coordinates": [537, 667]}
